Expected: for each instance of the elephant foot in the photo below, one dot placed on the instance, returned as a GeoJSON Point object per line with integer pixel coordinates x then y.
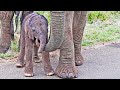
{"type": "Point", "coordinates": [66, 71]}
{"type": "Point", "coordinates": [49, 71]}
{"type": "Point", "coordinates": [79, 60]}
{"type": "Point", "coordinates": [36, 59]}
{"type": "Point", "coordinates": [20, 64]}
{"type": "Point", "coordinates": [28, 72]}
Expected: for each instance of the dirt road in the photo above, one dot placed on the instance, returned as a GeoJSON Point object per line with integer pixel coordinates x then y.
{"type": "Point", "coordinates": [100, 63]}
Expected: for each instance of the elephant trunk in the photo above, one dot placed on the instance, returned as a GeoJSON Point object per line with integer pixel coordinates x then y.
{"type": "Point", "coordinates": [43, 41]}
{"type": "Point", "coordinates": [56, 31]}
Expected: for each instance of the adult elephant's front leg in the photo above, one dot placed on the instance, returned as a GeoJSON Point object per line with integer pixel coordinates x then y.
{"type": "Point", "coordinates": [66, 67]}
{"type": "Point", "coordinates": [79, 22]}
{"type": "Point", "coordinates": [28, 57]}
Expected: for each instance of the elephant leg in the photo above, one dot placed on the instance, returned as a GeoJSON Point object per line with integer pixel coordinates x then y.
{"type": "Point", "coordinates": [5, 40]}
{"type": "Point", "coordinates": [46, 62]}
{"type": "Point", "coordinates": [20, 62]}
{"type": "Point", "coordinates": [79, 22]}
{"type": "Point", "coordinates": [66, 67]}
{"type": "Point", "coordinates": [35, 54]}
{"type": "Point", "coordinates": [5, 37]}
{"type": "Point", "coordinates": [28, 72]}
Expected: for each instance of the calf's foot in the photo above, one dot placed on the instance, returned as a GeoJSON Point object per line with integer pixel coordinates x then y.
{"type": "Point", "coordinates": [20, 63]}
{"type": "Point", "coordinates": [28, 72]}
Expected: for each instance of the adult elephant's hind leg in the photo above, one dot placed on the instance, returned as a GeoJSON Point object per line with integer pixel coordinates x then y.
{"type": "Point", "coordinates": [20, 62]}
{"type": "Point", "coordinates": [79, 22]}
{"type": "Point", "coordinates": [66, 67]}
{"type": "Point", "coordinates": [28, 57]}
{"type": "Point", "coordinates": [35, 54]}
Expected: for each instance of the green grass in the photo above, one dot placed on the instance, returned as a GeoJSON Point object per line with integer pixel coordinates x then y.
{"type": "Point", "coordinates": [100, 34]}
{"type": "Point", "coordinates": [14, 46]}
{"type": "Point", "coordinates": [6, 55]}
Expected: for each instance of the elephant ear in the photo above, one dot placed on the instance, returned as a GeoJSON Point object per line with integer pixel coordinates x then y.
{"type": "Point", "coordinates": [32, 30]}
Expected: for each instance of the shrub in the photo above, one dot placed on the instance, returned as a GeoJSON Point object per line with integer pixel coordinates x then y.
{"type": "Point", "coordinates": [98, 15]}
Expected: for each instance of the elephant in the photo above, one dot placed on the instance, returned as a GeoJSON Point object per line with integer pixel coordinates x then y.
{"type": "Point", "coordinates": [7, 30]}
{"type": "Point", "coordinates": [21, 46]}
{"type": "Point", "coordinates": [22, 16]}
{"type": "Point", "coordinates": [67, 29]}
{"type": "Point", "coordinates": [35, 28]}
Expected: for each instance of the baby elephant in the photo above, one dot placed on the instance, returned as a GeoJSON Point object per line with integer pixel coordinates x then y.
{"type": "Point", "coordinates": [35, 27]}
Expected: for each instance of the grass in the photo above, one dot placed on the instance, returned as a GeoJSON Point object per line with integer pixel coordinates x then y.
{"type": "Point", "coordinates": [6, 56]}
{"type": "Point", "coordinates": [101, 32]}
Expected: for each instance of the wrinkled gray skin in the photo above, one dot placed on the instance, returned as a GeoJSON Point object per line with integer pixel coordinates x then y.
{"type": "Point", "coordinates": [39, 27]}
{"type": "Point", "coordinates": [22, 15]}
{"type": "Point", "coordinates": [35, 28]}
{"type": "Point", "coordinates": [66, 34]}
{"type": "Point", "coordinates": [7, 30]}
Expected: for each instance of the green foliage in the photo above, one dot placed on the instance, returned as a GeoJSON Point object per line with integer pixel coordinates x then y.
{"type": "Point", "coordinates": [6, 55]}
{"type": "Point", "coordinates": [95, 15]}
{"type": "Point", "coordinates": [14, 46]}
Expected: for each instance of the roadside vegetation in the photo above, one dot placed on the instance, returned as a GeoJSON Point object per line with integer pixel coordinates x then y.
{"type": "Point", "coordinates": [101, 27]}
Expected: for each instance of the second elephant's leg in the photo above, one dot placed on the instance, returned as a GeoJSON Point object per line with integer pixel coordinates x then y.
{"type": "Point", "coordinates": [28, 57]}
{"type": "Point", "coordinates": [66, 67]}
{"type": "Point", "coordinates": [79, 22]}
{"type": "Point", "coordinates": [35, 54]}
{"type": "Point", "coordinates": [20, 62]}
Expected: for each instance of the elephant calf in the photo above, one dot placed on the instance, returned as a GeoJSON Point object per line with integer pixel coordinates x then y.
{"type": "Point", "coordinates": [34, 37]}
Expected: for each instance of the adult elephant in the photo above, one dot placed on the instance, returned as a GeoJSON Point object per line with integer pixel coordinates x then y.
{"type": "Point", "coordinates": [66, 34]}
{"type": "Point", "coordinates": [7, 29]}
